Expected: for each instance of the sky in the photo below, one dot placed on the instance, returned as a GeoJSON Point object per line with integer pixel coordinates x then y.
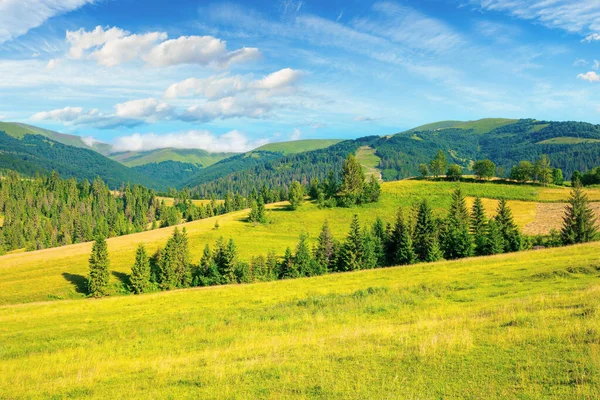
{"type": "Point", "coordinates": [231, 76]}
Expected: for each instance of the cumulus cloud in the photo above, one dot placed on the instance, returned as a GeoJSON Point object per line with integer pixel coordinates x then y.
{"type": "Point", "coordinates": [52, 64]}
{"type": "Point", "coordinates": [67, 114]}
{"type": "Point", "coordinates": [592, 37]}
{"type": "Point", "coordinates": [114, 46]}
{"type": "Point", "coordinates": [233, 141]}
{"type": "Point", "coordinates": [228, 107]}
{"type": "Point", "coordinates": [589, 76]}
{"type": "Point", "coordinates": [17, 17]}
{"type": "Point", "coordinates": [279, 79]}
{"type": "Point", "coordinates": [144, 109]}
{"type": "Point", "coordinates": [78, 116]}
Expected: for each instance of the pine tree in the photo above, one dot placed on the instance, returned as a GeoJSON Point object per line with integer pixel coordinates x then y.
{"type": "Point", "coordinates": [369, 255]}
{"type": "Point", "coordinates": [140, 272]}
{"type": "Point", "coordinates": [513, 241]}
{"type": "Point", "coordinates": [456, 240]}
{"type": "Point", "coordinates": [181, 267]}
{"type": "Point", "coordinates": [271, 265]}
{"type": "Point", "coordinates": [323, 252]}
{"type": "Point", "coordinates": [352, 250]}
{"type": "Point", "coordinates": [296, 195]}
{"type": "Point", "coordinates": [494, 241]}
{"type": "Point", "coordinates": [302, 259]}
{"type": "Point", "coordinates": [287, 268]}
{"type": "Point", "coordinates": [479, 227]}
{"type": "Point", "coordinates": [578, 222]}
{"type": "Point", "coordinates": [426, 243]}
{"type": "Point", "coordinates": [230, 256]}
{"type": "Point", "coordinates": [404, 251]}
{"type": "Point", "coordinates": [99, 268]}
{"type": "Point", "coordinates": [353, 182]}
{"type": "Point", "coordinates": [379, 236]}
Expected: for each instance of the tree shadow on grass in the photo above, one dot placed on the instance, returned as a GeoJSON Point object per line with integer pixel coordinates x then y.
{"type": "Point", "coordinates": [122, 277]}
{"type": "Point", "coordinates": [79, 281]}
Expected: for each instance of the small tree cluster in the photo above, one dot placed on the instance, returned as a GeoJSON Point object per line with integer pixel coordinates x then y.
{"type": "Point", "coordinates": [539, 172]}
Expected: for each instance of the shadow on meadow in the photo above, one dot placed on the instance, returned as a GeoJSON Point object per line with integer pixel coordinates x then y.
{"type": "Point", "coordinates": [122, 277]}
{"type": "Point", "coordinates": [78, 281]}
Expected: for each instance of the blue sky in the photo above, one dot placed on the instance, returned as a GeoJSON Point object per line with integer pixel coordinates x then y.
{"type": "Point", "coordinates": [231, 76]}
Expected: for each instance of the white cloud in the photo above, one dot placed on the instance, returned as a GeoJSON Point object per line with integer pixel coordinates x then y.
{"type": "Point", "coordinates": [215, 87]}
{"type": "Point", "coordinates": [279, 79]}
{"type": "Point", "coordinates": [17, 17]}
{"type": "Point", "coordinates": [362, 118]}
{"type": "Point", "coordinates": [90, 141]}
{"type": "Point", "coordinates": [67, 114]}
{"type": "Point", "coordinates": [592, 37]}
{"type": "Point", "coordinates": [233, 141]}
{"type": "Point", "coordinates": [596, 65]}
{"type": "Point", "coordinates": [296, 134]}
{"type": "Point", "coordinates": [114, 46]}
{"type": "Point", "coordinates": [581, 16]}
{"type": "Point", "coordinates": [589, 76]}
{"type": "Point", "coordinates": [227, 107]}
{"type": "Point", "coordinates": [2, 116]}
{"type": "Point", "coordinates": [52, 64]}
{"type": "Point", "coordinates": [83, 40]}
{"type": "Point", "coordinates": [144, 109]}
{"type": "Point", "coordinates": [580, 62]}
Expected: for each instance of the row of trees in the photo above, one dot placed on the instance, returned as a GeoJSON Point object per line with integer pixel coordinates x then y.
{"type": "Point", "coordinates": [525, 171]}
{"type": "Point", "coordinates": [416, 235]}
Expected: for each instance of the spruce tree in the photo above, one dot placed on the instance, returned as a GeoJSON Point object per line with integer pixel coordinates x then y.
{"type": "Point", "coordinates": [181, 267]}
{"type": "Point", "coordinates": [456, 240]}
{"type": "Point", "coordinates": [323, 252]}
{"type": "Point", "coordinates": [513, 240]}
{"type": "Point", "coordinates": [296, 195]}
{"type": "Point", "coordinates": [369, 259]}
{"type": "Point", "coordinates": [287, 268]}
{"type": "Point", "coordinates": [140, 272]}
{"type": "Point", "coordinates": [99, 268]}
{"type": "Point", "coordinates": [579, 221]}
{"type": "Point", "coordinates": [425, 235]}
{"type": "Point", "coordinates": [405, 253]}
{"type": "Point", "coordinates": [352, 250]}
{"type": "Point", "coordinates": [303, 260]}
{"type": "Point", "coordinates": [494, 241]}
{"type": "Point", "coordinates": [379, 237]}
{"type": "Point", "coordinates": [353, 182]}
{"type": "Point", "coordinates": [479, 227]}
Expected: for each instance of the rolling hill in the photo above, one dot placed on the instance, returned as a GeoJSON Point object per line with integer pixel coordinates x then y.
{"type": "Point", "coordinates": [197, 157]}
{"type": "Point", "coordinates": [298, 146]}
{"type": "Point", "coordinates": [507, 326]}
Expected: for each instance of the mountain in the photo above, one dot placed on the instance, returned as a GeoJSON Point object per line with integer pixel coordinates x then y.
{"type": "Point", "coordinates": [30, 154]}
{"type": "Point", "coordinates": [19, 130]}
{"type": "Point", "coordinates": [570, 146]}
{"type": "Point", "coordinates": [298, 146]}
{"type": "Point", "coordinates": [191, 156]}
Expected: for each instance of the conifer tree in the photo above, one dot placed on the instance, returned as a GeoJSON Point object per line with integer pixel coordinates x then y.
{"type": "Point", "coordinates": [402, 245]}
{"type": "Point", "coordinates": [579, 221]}
{"type": "Point", "coordinates": [513, 241]}
{"type": "Point", "coordinates": [438, 164]}
{"type": "Point", "coordinates": [140, 272]}
{"type": "Point", "coordinates": [352, 250]}
{"type": "Point", "coordinates": [323, 252]}
{"type": "Point", "coordinates": [229, 260]}
{"type": "Point", "coordinates": [271, 265]}
{"type": "Point", "coordinates": [296, 195]}
{"type": "Point", "coordinates": [253, 216]}
{"type": "Point", "coordinates": [456, 240]}
{"type": "Point", "coordinates": [494, 240]}
{"type": "Point", "coordinates": [181, 259]}
{"type": "Point", "coordinates": [353, 182]}
{"type": "Point", "coordinates": [369, 255]}
{"type": "Point", "coordinates": [287, 268]}
{"type": "Point", "coordinates": [302, 259]}
{"type": "Point", "coordinates": [425, 235]}
{"type": "Point", "coordinates": [379, 236]}
{"type": "Point", "coordinates": [99, 268]}
{"type": "Point", "coordinates": [479, 227]}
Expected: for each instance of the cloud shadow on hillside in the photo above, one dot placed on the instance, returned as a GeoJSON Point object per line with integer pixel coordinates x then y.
{"type": "Point", "coordinates": [79, 281]}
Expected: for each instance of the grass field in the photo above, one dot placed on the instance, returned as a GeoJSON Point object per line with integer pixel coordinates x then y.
{"type": "Point", "coordinates": [365, 155]}
{"type": "Point", "coordinates": [299, 146]}
{"type": "Point", "coordinates": [60, 273]}
{"type": "Point", "coordinates": [193, 156]}
{"type": "Point", "coordinates": [568, 140]}
{"type": "Point", "coordinates": [523, 325]}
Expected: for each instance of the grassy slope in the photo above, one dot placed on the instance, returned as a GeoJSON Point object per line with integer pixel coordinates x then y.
{"type": "Point", "coordinates": [366, 156]}
{"type": "Point", "coordinates": [299, 146]}
{"type": "Point", "coordinates": [479, 126]}
{"type": "Point", "coordinates": [201, 157]}
{"type": "Point", "coordinates": [512, 326]}
{"type": "Point", "coordinates": [568, 140]}
{"type": "Point", "coordinates": [58, 273]}
{"type": "Point", "coordinates": [18, 131]}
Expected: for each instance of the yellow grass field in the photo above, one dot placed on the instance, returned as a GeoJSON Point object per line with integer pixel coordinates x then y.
{"type": "Point", "coordinates": [60, 273]}
{"type": "Point", "coordinates": [523, 325]}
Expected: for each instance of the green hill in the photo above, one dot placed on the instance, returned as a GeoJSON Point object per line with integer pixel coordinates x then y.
{"type": "Point", "coordinates": [191, 156]}
{"type": "Point", "coordinates": [298, 146]}
{"type": "Point", "coordinates": [30, 154]}
{"type": "Point", "coordinates": [19, 130]}
{"type": "Point", "coordinates": [479, 126]}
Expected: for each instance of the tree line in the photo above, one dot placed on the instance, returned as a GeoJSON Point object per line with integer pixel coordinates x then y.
{"type": "Point", "coordinates": [416, 235]}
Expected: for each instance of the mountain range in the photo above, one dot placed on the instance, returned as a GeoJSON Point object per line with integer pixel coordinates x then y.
{"type": "Point", "coordinates": [570, 146]}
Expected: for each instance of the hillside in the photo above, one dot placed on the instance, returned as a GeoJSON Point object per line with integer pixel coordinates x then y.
{"type": "Point", "coordinates": [478, 126]}
{"type": "Point", "coordinates": [56, 273]}
{"type": "Point", "coordinates": [189, 156]}
{"type": "Point", "coordinates": [32, 154]}
{"type": "Point", "coordinates": [511, 326]}
{"type": "Point", "coordinates": [298, 146]}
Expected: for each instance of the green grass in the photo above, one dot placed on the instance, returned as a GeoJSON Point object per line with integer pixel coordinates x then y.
{"type": "Point", "coordinates": [480, 126]}
{"type": "Point", "coordinates": [193, 156]}
{"type": "Point", "coordinates": [56, 273]}
{"type": "Point", "coordinates": [568, 140]}
{"type": "Point", "coordinates": [365, 155]}
{"type": "Point", "coordinates": [523, 325]}
{"type": "Point", "coordinates": [299, 146]}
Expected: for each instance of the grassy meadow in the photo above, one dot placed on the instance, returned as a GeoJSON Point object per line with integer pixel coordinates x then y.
{"type": "Point", "coordinates": [60, 273]}
{"type": "Point", "coordinates": [524, 325]}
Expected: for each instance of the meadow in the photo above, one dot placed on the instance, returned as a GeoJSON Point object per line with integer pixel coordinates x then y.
{"type": "Point", "coordinates": [60, 273]}
{"type": "Point", "coordinates": [524, 325]}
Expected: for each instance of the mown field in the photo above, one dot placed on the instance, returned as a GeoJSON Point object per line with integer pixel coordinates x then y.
{"type": "Point", "coordinates": [523, 325]}
{"type": "Point", "coordinates": [60, 273]}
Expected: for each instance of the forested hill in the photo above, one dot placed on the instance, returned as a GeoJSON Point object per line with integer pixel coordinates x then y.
{"type": "Point", "coordinates": [37, 154]}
